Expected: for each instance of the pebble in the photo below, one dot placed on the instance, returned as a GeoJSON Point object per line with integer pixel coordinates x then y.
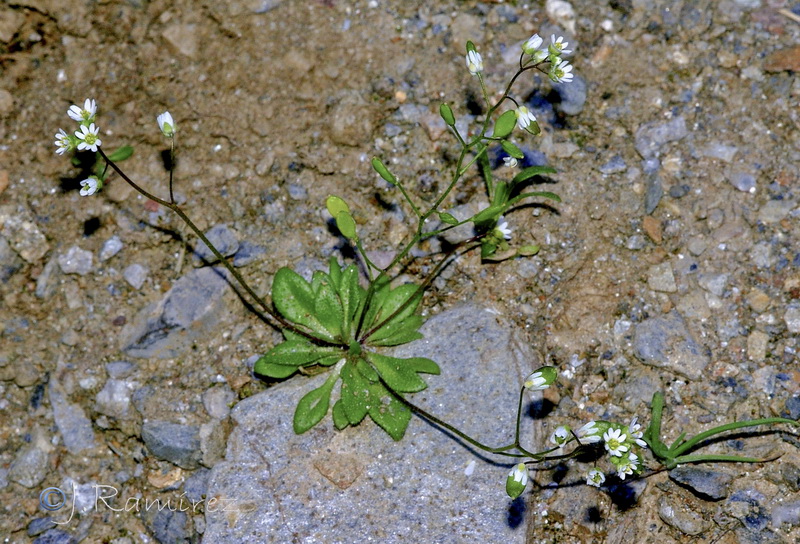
{"type": "Point", "coordinates": [790, 474]}
{"type": "Point", "coordinates": [786, 513]}
{"type": "Point", "coordinates": [182, 39]}
{"type": "Point", "coordinates": [651, 137]}
{"type": "Point", "coordinates": [654, 190]}
{"type": "Point", "coordinates": [169, 525]}
{"type": "Point", "coordinates": [775, 210]}
{"type": "Point", "coordinates": [665, 342]}
{"type": "Point", "coordinates": [660, 278]}
{"type": "Point", "coordinates": [743, 181]}
{"type": "Point", "coordinates": [248, 253]}
{"type": "Point", "coordinates": [792, 319]}
{"type": "Point", "coordinates": [40, 525]}
{"type": "Point", "coordinates": [681, 516]}
{"type": "Point", "coordinates": [29, 468]}
{"type": "Point", "coordinates": [114, 400]}
{"type": "Point", "coordinates": [135, 275]}
{"type": "Point", "coordinates": [173, 442]}
{"type": "Point", "coordinates": [111, 247]}
{"type": "Point", "coordinates": [75, 428]}
{"type": "Point", "coordinates": [46, 282]}
{"type": "Point", "coordinates": [652, 227]}
{"type": "Point", "coordinates": [351, 121]}
{"type": "Point", "coordinates": [11, 22]}
{"type": "Point", "coordinates": [792, 406]}
{"type": "Point", "coordinates": [223, 238]}
{"type": "Point", "coordinates": [572, 96]}
{"type": "Point", "coordinates": [697, 245]}
{"type": "Point", "coordinates": [716, 150]}
{"type": "Point", "coordinates": [9, 260]}
{"type": "Point", "coordinates": [20, 229]}
{"type": "Point", "coordinates": [757, 343]}
{"type": "Point", "coordinates": [120, 369]}
{"type": "Point", "coordinates": [76, 261]}
{"type": "Point", "coordinates": [196, 485]}
{"type": "Point", "coordinates": [709, 484]}
{"type": "Point", "coordinates": [297, 192]}
{"type": "Point", "coordinates": [615, 165]}
{"type": "Point", "coordinates": [636, 242]}
{"type": "Point", "coordinates": [217, 400]}
{"type": "Point", "coordinates": [787, 59]}
{"type": "Point", "coordinates": [713, 283]}
{"type": "Point", "coordinates": [679, 191]}
{"type": "Point", "coordinates": [56, 536]}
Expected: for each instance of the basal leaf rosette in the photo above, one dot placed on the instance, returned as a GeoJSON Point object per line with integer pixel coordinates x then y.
{"type": "Point", "coordinates": [334, 322]}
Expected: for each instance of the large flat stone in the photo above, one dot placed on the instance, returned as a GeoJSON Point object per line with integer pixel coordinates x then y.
{"type": "Point", "coordinates": [360, 485]}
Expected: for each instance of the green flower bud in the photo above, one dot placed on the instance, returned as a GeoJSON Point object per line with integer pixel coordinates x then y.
{"type": "Point", "coordinates": [447, 114]}
{"type": "Point", "coordinates": [541, 379]}
{"type": "Point", "coordinates": [381, 169]}
{"type": "Point", "coordinates": [517, 480]}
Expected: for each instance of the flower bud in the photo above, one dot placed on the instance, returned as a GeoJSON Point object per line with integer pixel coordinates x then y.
{"type": "Point", "coordinates": [541, 379]}
{"type": "Point", "coordinates": [166, 124]}
{"type": "Point", "coordinates": [517, 480]}
{"type": "Point", "coordinates": [447, 114]}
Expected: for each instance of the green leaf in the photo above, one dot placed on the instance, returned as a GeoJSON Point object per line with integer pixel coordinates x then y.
{"type": "Point", "coordinates": [328, 308]}
{"type": "Point", "coordinates": [340, 420]}
{"type": "Point", "coordinates": [366, 371]}
{"type": "Point", "coordinates": [386, 301]}
{"type": "Point", "coordinates": [488, 216]}
{"type": "Point", "coordinates": [121, 153]}
{"type": "Point", "coordinates": [293, 297]}
{"type": "Point", "coordinates": [505, 124]}
{"type": "Point", "coordinates": [336, 205]}
{"type": "Point", "coordinates": [501, 193]}
{"type": "Point", "coordinates": [381, 169]}
{"type": "Point", "coordinates": [447, 218]}
{"type": "Point", "coordinates": [422, 364]}
{"type": "Point", "coordinates": [313, 406]}
{"type": "Point", "coordinates": [396, 330]}
{"type": "Point", "coordinates": [528, 251]}
{"type": "Point", "coordinates": [355, 394]}
{"type": "Point", "coordinates": [346, 225]}
{"type": "Point", "coordinates": [335, 272]}
{"type": "Point", "coordinates": [532, 171]}
{"type": "Point", "coordinates": [274, 370]}
{"type": "Point", "coordinates": [512, 149]}
{"type": "Point", "coordinates": [294, 353]}
{"type": "Point", "coordinates": [487, 249]}
{"type": "Point", "coordinates": [391, 415]}
{"type": "Point", "coordinates": [397, 374]}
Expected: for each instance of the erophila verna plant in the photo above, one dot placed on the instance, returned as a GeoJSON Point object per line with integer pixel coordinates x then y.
{"type": "Point", "coordinates": [341, 321]}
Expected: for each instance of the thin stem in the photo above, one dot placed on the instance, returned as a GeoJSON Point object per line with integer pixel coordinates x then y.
{"type": "Point", "coordinates": [689, 444]}
{"type": "Point", "coordinates": [171, 167]}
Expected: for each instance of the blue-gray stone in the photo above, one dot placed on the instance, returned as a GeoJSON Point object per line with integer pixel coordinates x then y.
{"type": "Point", "coordinates": [75, 428]}
{"type": "Point", "coordinates": [29, 467]}
{"type": "Point", "coordinates": [56, 536]}
{"type": "Point", "coordinates": [169, 526]}
{"type": "Point", "coordinates": [76, 261]}
{"type": "Point", "coordinates": [665, 342]}
{"type": "Point", "coordinates": [614, 166]}
{"type": "Point", "coordinates": [572, 96]}
{"type": "Point", "coordinates": [297, 191]}
{"type": "Point", "coordinates": [135, 275]}
{"type": "Point", "coordinates": [651, 137]}
{"type": "Point", "coordinates": [111, 247]}
{"type": "Point", "coordinates": [46, 282]}
{"type": "Point", "coordinates": [9, 260]}
{"type": "Point", "coordinates": [343, 481]}
{"type": "Point", "coordinates": [40, 525]}
{"type": "Point", "coordinates": [710, 484]}
{"type": "Point", "coordinates": [679, 191]}
{"type": "Point", "coordinates": [654, 190]}
{"type": "Point", "coordinates": [196, 485]}
{"type": "Point", "coordinates": [120, 369]}
{"type": "Point", "coordinates": [189, 310]}
{"type": "Point", "coordinates": [173, 442]}
{"type": "Point", "coordinates": [248, 253]}
{"type": "Point", "coordinates": [223, 238]}
{"type": "Point", "coordinates": [792, 406]}
{"type": "Point", "coordinates": [743, 181]}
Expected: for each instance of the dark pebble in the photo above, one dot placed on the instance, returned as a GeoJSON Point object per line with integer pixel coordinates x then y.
{"type": "Point", "coordinates": [173, 442]}
{"type": "Point", "coordinates": [40, 525]}
{"type": "Point", "coordinates": [56, 536]}
{"type": "Point", "coordinates": [678, 191]}
{"type": "Point", "coordinates": [710, 484]}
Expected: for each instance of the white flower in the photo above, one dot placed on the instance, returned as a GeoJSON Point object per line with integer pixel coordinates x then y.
{"type": "Point", "coordinates": [595, 477]}
{"type": "Point", "coordinates": [166, 124]}
{"type": "Point", "coordinates": [626, 467]}
{"type": "Point", "coordinates": [62, 141]}
{"type": "Point", "coordinates": [560, 436]}
{"type": "Point", "coordinates": [90, 185]}
{"type": "Point", "coordinates": [517, 480]}
{"type": "Point", "coordinates": [589, 433]}
{"type": "Point", "coordinates": [88, 137]}
{"type": "Point", "coordinates": [558, 46]}
{"type": "Point", "coordinates": [532, 44]}
{"type": "Point", "coordinates": [561, 72]}
{"type": "Point", "coordinates": [524, 117]}
{"type": "Point", "coordinates": [504, 230]}
{"type": "Point", "coordinates": [474, 63]}
{"type": "Point", "coordinates": [83, 114]}
{"type": "Point", "coordinates": [635, 433]}
{"type": "Point", "coordinates": [615, 442]}
{"type": "Point", "coordinates": [511, 162]}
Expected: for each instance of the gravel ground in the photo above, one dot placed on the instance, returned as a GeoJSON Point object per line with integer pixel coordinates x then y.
{"type": "Point", "coordinates": [673, 262]}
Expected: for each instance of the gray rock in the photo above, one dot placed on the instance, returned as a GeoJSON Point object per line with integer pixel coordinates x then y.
{"type": "Point", "coordinates": [217, 400]}
{"type": "Point", "coordinates": [9, 260]}
{"type": "Point", "coordinates": [40, 525]}
{"type": "Point", "coordinates": [114, 399]}
{"type": "Point", "coordinates": [297, 191]}
{"type": "Point", "coordinates": [572, 96]}
{"type": "Point", "coordinates": [223, 238]}
{"type": "Point", "coordinates": [111, 247]}
{"type": "Point", "coordinates": [173, 442]}
{"type": "Point", "coordinates": [248, 253]}
{"type": "Point", "coordinates": [786, 513]}
{"type": "Point", "coordinates": [76, 261]}
{"type": "Point", "coordinates": [709, 484]}
{"type": "Point", "coordinates": [713, 283]}
{"type": "Point", "coordinates": [665, 342]}
{"type": "Point", "coordinates": [19, 227]}
{"type": "Point", "coordinates": [56, 536]}
{"type": "Point", "coordinates": [192, 307]}
{"type": "Point", "coordinates": [792, 406]}
{"type": "Point", "coordinates": [790, 474]}
{"type": "Point", "coordinates": [615, 165]}
{"type": "Point", "coordinates": [75, 428]}
{"type": "Point", "coordinates": [135, 275]}
{"type": "Point", "coordinates": [461, 212]}
{"type": "Point", "coordinates": [680, 516]}
{"type": "Point", "coordinates": [716, 150]}
{"type": "Point", "coordinates": [46, 282]}
{"type": "Point", "coordinates": [653, 192]}
{"type": "Point", "coordinates": [120, 369]}
{"type": "Point", "coordinates": [196, 485]}
{"type": "Point", "coordinates": [661, 278]}
{"type": "Point", "coordinates": [212, 442]}
{"type": "Point", "coordinates": [344, 481]}
{"type": "Point", "coordinates": [636, 242]}
{"type": "Point", "coordinates": [775, 210]}
{"type": "Point", "coordinates": [168, 526]}
{"type": "Point", "coordinates": [792, 319]}
{"type": "Point", "coordinates": [743, 181]}
{"type": "Point", "coordinates": [29, 468]}
{"type": "Point", "coordinates": [651, 137]}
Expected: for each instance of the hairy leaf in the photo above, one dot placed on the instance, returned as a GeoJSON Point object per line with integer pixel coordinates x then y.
{"type": "Point", "coordinates": [397, 374]}
{"type": "Point", "coordinates": [293, 297]}
{"type": "Point", "coordinates": [391, 415]}
{"type": "Point", "coordinates": [313, 406]}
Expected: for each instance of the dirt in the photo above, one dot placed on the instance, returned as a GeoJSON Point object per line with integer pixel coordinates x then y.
{"type": "Point", "coordinates": [274, 95]}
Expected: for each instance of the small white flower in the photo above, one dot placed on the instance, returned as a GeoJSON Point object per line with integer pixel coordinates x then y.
{"type": "Point", "coordinates": [474, 63]}
{"type": "Point", "coordinates": [541, 378]}
{"type": "Point", "coordinates": [62, 141]}
{"type": "Point", "coordinates": [86, 113]}
{"type": "Point", "coordinates": [558, 46]}
{"type": "Point", "coordinates": [504, 230]}
{"type": "Point", "coordinates": [560, 436]}
{"type": "Point", "coordinates": [511, 162]}
{"type": "Point", "coordinates": [561, 72]}
{"type": "Point", "coordinates": [532, 44]}
{"type": "Point", "coordinates": [166, 124]}
{"type": "Point", "coordinates": [626, 467]}
{"type": "Point", "coordinates": [90, 186]}
{"type": "Point", "coordinates": [589, 433]}
{"type": "Point", "coordinates": [615, 442]}
{"type": "Point", "coordinates": [524, 117]}
{"type": "Point", "coordinates": [635, 433]}
{"type": "Point", "coordinates": [88, 137]}
{"type": "Point", "coordinates": [520, 474]}
{"type": "Point", "coordinates": [595, 477]}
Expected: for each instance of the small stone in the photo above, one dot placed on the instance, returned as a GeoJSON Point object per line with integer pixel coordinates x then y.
{"type": "Point", "coordinates": [76, 261]}
{"type": "Point", "coordinates": [743, 181]}
{"type": "Point", "coordinates": [715, 218]}
{"type": "Point", "coordinates": [758, 300]}
{"type": "Point", "coordinates": [212, 442]}
{"type": "Point", "coordinates": [786, 513]}
{"type": "Point", "coordinates": [351, 121]}
{"type": "Point", "coordinates": [46, 282]}
{"type": "Point", "coordinates": [11, 22]}
{"type": "Point", "coordinates": [120, 369]}
{"type": "Point", "coordinates": [787, 59]}
{"type": "Point", "coordinates": [10, 262]}
{"type": "Point", "coordinates": [217, 400]}
{"type": "Point", "coordinates": [792, 406]}
{"type": "Point", "coordinates": [168, 525]}
{"type": "Point", "coordinates": [297, 192]}
{"type": "Point", "coordinates": [75, 428]}
{"type": "Point", "coordinates": [3, 173]}
{"type": "Point", "coordinates": [679, 191]}
{"type": "Point", "coordinates": [173, 442]}
{"type": "Point", "coordinates": [665, 342]}
{"type": "Point", "coordinates": [182, 39]}
{"type": "Point", "coordinates": [29, 468]}
{"type": "Point", "coordinates": [654, 190]}
{"type": "Point", "coordinates": [651, 137]}
{"type": "Point", "coordinates": [716, 150]}
{"type": "Point", "coordinates": [775, 210]}
{"type": "Point", "coordinates": [572, 96]}
{"type": "Point", "coordinates": [660, 278]}
{"type": "Point", "coordinates": [56, 536]}
{"type": "Point", "coordinates": [790, 474]}
{"type": "Point", "coordinates": [40, 525]}
{"type": "Point", "coordinates": [615, 165]}
{"type": "Point", "coordinates": [682, 517]}
{"type": "Point", "coordinates": [652, 227]}
{"type": "Point", "coordinates": [20, 229]}
{"type": "Point", "coordinates": [757, 343]}
{"type": "Point", "coordinates": [135, 275]}
{"type": "Point", "coordinates": [111, 247]}
{"type": "Point", "coordinates": [636, 242]}
{"type": "Point", "coordinates": [248, 253]}
{"type": "Point", "coordinates": [196, 485]}
{"type": "Point", "coordinates": [223, 238]}
{"type": "Point", "coordinates": [713, 283]}
{"type": "Point", "coordinates": [114, 400]}
{"type": "Point", "coordinates": [697, 245]}
{"type": "Point", "coordinates": [792, 319]}
{"type": "Point", "coordinates": [711, 484]}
